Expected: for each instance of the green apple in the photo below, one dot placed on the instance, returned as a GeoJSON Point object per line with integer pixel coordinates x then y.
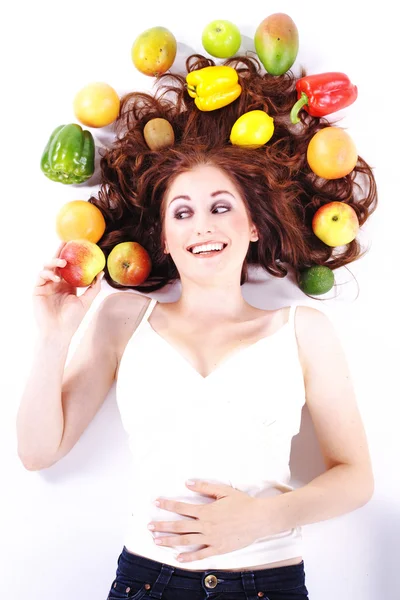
{"type": "Point", "coordinates": [221, 39]}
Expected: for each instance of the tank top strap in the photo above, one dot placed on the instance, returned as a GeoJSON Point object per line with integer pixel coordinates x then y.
{"type": "Point", "coordinates": [292, 312]}
{"type": "Point", "coordinates": [147, 312]}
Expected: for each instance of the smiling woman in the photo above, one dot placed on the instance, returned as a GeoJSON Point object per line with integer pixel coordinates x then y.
{"type": "Point", "coordinates": [205, 209]}
{"type": "Point", "coordinates": [225, 382]}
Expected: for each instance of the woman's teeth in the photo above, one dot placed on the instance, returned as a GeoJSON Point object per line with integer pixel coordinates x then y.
{"type": "Point", "coordinates": [207, 248]}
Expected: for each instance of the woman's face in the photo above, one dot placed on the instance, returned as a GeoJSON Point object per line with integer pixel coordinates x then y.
{"type": "Point", "coordinates": [204, 206]}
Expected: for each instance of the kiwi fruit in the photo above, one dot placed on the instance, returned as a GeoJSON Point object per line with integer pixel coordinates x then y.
{"type": "Point", "coordinates": [158, 133]}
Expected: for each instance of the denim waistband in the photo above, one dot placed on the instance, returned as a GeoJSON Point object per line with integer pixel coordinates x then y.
{"type": "Point", "coordinates": [159, 575]}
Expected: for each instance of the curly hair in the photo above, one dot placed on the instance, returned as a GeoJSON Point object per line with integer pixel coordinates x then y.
{"type": "Point", "coordinates": [280, 191]}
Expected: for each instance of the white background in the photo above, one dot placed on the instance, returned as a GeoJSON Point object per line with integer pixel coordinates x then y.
{"type": "Point", "coordinates": [62, 528]}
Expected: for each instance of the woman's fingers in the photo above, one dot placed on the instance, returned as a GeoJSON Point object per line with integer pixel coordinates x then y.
{"type": "Point", "coordinates": [46, 275]}
{"type": "Point", "coordinates": [92, 290]}
{"type": "Point", "coordinates": [55, 262]}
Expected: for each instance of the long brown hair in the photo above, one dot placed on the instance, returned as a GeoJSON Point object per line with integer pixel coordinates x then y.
{"type": "Point", "coordinates": [280, 191]}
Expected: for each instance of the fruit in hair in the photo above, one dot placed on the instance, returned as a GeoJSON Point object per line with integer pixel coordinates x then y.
{"type": "Point", "coordinates": [336, 224]}
{"type": "Point", "coordinates": [331, 153]}
{"type": "Point", "coordinates": [129, 264]}
{"type": "Point", "coordinates": [158, 134]}
{"type": "Point", "coordinates": [254, 128]}
{"type": "Point", "coordinates": [316, 280]}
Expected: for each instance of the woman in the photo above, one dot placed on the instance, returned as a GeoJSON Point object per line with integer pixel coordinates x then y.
{"type": "Point", "coordinates": [225, 382]}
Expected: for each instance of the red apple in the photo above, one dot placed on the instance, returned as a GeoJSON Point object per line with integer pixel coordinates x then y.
{"type": "Point", "coordinates": [84, 261]}
{"type": "Point", "coordinates": [129, 263]}
{"type": "Point", "coordinates": [336, 224]}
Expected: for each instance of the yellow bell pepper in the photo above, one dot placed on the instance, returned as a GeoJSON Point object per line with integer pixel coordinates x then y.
{"type": "Point", "coordinates": [213, 87]}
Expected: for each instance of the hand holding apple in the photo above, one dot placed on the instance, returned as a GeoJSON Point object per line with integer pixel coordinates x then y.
{"type": "Point", "coordinates": [129, 264]}
{"type": "Point", "coordinates": [57, 308]}
{"type": "Point", "coordinates": [336, 224]}
{"type": "Point", "coordinates": [84, 261]}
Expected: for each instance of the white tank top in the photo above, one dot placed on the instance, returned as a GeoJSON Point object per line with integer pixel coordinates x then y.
{"type": "Point", "coordinates": [234, 426]}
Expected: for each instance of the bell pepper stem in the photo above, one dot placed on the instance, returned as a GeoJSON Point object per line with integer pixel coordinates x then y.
{"type": "Point", "coordinates": [302, 101]}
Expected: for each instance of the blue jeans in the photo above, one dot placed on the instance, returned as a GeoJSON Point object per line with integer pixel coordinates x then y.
{"type": "Point", "coordinates": [140, 578]}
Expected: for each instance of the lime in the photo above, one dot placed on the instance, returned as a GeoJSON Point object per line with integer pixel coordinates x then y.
{"type": "Point", "coordinates": [316, 280]}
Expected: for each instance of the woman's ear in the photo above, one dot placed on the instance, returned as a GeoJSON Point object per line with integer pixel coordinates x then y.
{"type": "Point", "coordinates": [164, 243]}
{"type": "Point", "coordinates": [254, 234]}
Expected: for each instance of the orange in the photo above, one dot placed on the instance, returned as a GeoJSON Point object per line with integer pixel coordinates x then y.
{"type": "Point", "coordinates": [96, 105]}
{"type": "Point", "coordinates": [80, 219]}
{"type": "Point", "coordinates": [331, 153]}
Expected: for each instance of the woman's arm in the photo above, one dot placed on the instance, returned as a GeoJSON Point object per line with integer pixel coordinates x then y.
{"type": "Point", "coordinates": [348, 483]}
{"type": "Point", "coordinates": [59, 401]}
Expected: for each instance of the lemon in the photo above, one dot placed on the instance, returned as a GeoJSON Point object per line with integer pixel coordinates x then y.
{"type": "Point", "coordinates": [254, 128]}
{"type": "Point", "coordinates": [316, 280]}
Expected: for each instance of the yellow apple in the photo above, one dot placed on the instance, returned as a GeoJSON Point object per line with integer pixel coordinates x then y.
{"type": "Point", "coordinates": [336, 224]}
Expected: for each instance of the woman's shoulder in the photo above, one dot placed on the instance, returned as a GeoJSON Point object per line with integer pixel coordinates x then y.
{"type": "Point", "coordinates": [309, 316]}
{"type": "Point", "coordinates": [121, 313]}
{"type": "Point", "coordinates": [119, 304]}
{"type": "Point", "coordinates": [310, 321]}
{"type": "Point", "coordinates": [315, 332]}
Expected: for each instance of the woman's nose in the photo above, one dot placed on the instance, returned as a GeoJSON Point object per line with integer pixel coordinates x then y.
{"type": "Point", "coordinates": [203, 225]}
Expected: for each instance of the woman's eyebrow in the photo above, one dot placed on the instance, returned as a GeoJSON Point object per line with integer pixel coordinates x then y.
{"type": "Point", "coordinates": [180, 197]}
{"type": "Point", "coordinates": [222, 192]}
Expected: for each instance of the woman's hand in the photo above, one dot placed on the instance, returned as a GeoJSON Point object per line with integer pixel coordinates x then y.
{"type": "Point", "coordinates": [57, 307]}
{"type": "Point", "coordinates": [229, 523]}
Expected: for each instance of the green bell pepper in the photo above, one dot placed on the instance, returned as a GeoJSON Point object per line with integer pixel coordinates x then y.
{"type": "Point", "coordinates": [69, 155]}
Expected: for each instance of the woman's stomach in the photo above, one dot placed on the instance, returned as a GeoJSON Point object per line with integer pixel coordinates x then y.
{"type": "Point", "coordinates": [264, 551]}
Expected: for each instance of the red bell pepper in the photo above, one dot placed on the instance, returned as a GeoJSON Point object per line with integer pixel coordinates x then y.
{"type": "Point", "coordinates": [323, 94]}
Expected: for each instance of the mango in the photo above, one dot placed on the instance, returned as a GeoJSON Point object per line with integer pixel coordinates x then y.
{"type": "Point", "coordinates": [277, 43]}
{"type": "Point", "coordinates": [154, 51]}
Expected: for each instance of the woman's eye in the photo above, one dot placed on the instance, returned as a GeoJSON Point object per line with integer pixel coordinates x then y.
{"type": "Point", "coordinates": [179, 213]}
{"type": "Point", "coordinates": [224, 207]}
